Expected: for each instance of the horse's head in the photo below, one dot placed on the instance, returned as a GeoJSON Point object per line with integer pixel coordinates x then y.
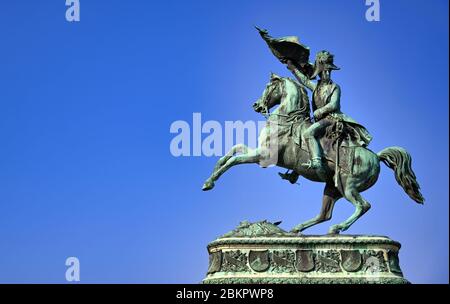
{"type": "Point", "coordinates": [271, 96]}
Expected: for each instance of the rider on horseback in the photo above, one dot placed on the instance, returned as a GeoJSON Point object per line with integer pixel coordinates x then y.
{"type": "Point", "coordinates": [342, 140]}
{"type": "Point", "coordinates": [326, 108]}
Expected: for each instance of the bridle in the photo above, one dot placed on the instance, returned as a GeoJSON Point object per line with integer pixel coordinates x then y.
{"type": "Point", "coordinates": [265, 112]}
{"type": "Point", "coordinates": [297, 115]}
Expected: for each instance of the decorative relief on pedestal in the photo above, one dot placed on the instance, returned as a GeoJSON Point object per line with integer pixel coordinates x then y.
{"type": "Point", "coordinates": [258, 260]}
{"type": "Point", "coordinates": [283, 261]}
{"type": "Point", "coordinates": [374, 262]}
{"type": "Point", "coordinates": [328, 261]}
{"type": "Point", "coordinates": [351, 260]}
{"type": "Point", "coordinates": [394, 264]}
{"type": "Point", "coordinates": [305, 260]}
{"type": "Point", "coordinates": [264, 253]}
{"type": "Point", "coordinates": [215, 262]}
{"type": "Point", "coordinates": [234, 261]}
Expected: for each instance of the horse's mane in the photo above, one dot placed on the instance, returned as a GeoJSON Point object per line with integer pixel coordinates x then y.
{"type": "Point", "coordinates": [303, 95]}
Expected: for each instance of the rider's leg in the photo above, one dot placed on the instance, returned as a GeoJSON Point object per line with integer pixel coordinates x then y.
{"type": "Point", "coordinates": [310, 136]}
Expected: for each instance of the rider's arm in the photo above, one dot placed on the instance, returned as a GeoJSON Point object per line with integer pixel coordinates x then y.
{"type": "Point", "coordinates": [304, 80]}
{"type": "Point", "coordinates": [333, 105]}
{"type": "Point", "coordinates": [300, 76]}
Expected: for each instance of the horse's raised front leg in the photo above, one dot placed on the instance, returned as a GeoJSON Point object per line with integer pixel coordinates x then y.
{"type": "Point", "coordinates": [226, 162]}
{"type": "Point", "coordinates": [330, 196]}
{"type": "Point", "coordinates": [239, 148]}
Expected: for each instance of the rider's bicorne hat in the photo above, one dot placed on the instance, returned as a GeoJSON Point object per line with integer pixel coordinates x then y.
{"type": "Point", "coordinates": [324, 61]}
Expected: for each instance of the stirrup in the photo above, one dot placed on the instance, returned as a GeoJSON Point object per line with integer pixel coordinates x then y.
{"type": "Point", "coordinates": [315, 163]}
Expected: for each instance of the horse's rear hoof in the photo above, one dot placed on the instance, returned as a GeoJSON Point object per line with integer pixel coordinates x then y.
{"type": "Point", "coordinates": [333, 231]}
{"type": "Point", "coordinates": [208, 186]}
{"type": "Point", "coordinates": [295, 231]}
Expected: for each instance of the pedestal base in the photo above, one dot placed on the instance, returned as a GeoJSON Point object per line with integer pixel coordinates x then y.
{"type": "Point", "coordinates": [263, 253]}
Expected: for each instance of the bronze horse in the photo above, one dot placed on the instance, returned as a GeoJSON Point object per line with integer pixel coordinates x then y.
{"type": "Point", "coordinates": [293, 113]}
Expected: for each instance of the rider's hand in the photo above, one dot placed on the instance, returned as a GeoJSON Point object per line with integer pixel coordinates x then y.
{"type": "Point", "coordinates": [318, 115]}
{"type": "Point", "coordinates": [290, 65]}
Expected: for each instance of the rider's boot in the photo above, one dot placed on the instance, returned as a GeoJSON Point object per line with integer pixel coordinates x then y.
{"type": "Point", "coordinates": [291, 177]}
{"type": "Point", "coordinates": [316, 157]}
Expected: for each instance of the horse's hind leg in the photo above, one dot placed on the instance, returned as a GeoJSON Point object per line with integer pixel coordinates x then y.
{"type": "Point", "coordinates": [252, 156]}
{"type": "Point", "coordinates": [330, 196]}
{"type": "Point", "coordinates": [361, 207]}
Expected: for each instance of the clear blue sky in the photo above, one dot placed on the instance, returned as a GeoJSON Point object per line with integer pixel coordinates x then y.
{"type": "Point", "coordinates": [85, 111]}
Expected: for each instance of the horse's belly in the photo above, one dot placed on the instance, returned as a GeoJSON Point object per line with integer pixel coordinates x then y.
{"type": "Point", "coordinates": [312, 174]}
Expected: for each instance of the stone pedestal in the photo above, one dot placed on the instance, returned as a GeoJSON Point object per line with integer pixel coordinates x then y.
{"type": "Point", "coordinates": [263, 253]}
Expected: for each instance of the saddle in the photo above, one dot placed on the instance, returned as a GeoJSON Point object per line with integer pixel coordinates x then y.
{"type": "Point", "coordinates": [338, 144]}
{"type": "Point", "coordinates": [342, 136]}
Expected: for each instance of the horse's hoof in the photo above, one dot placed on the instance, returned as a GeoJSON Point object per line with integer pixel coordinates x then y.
{"type": "Point", "coordinates": [295, 231]}
{"type": "Point", "coordinates": [334, 231]}
{"type": "Point", "coordinates": [208, 186]}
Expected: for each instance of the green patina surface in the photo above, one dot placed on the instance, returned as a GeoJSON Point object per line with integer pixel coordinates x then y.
{"type": "Point", "coordinates": [314, 139]}
{"type": "Point", "coordinates": [262, 252]}
{"type": "Point", "coordinates": [304, 281]}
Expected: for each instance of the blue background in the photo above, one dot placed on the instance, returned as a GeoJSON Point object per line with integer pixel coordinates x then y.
{"type": "Point", "coordinates": [85, 112]}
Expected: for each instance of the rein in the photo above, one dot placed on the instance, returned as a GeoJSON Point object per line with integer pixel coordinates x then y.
{"type": "Point", "coordinates": [295, 116]}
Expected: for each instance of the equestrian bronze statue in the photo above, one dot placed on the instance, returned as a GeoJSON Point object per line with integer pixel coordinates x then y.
{"type": "Point", "coordinates": [324, 145]}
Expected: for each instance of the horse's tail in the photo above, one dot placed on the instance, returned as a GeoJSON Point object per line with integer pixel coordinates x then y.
{"type": "Point", "coordinates": [399, 160]}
